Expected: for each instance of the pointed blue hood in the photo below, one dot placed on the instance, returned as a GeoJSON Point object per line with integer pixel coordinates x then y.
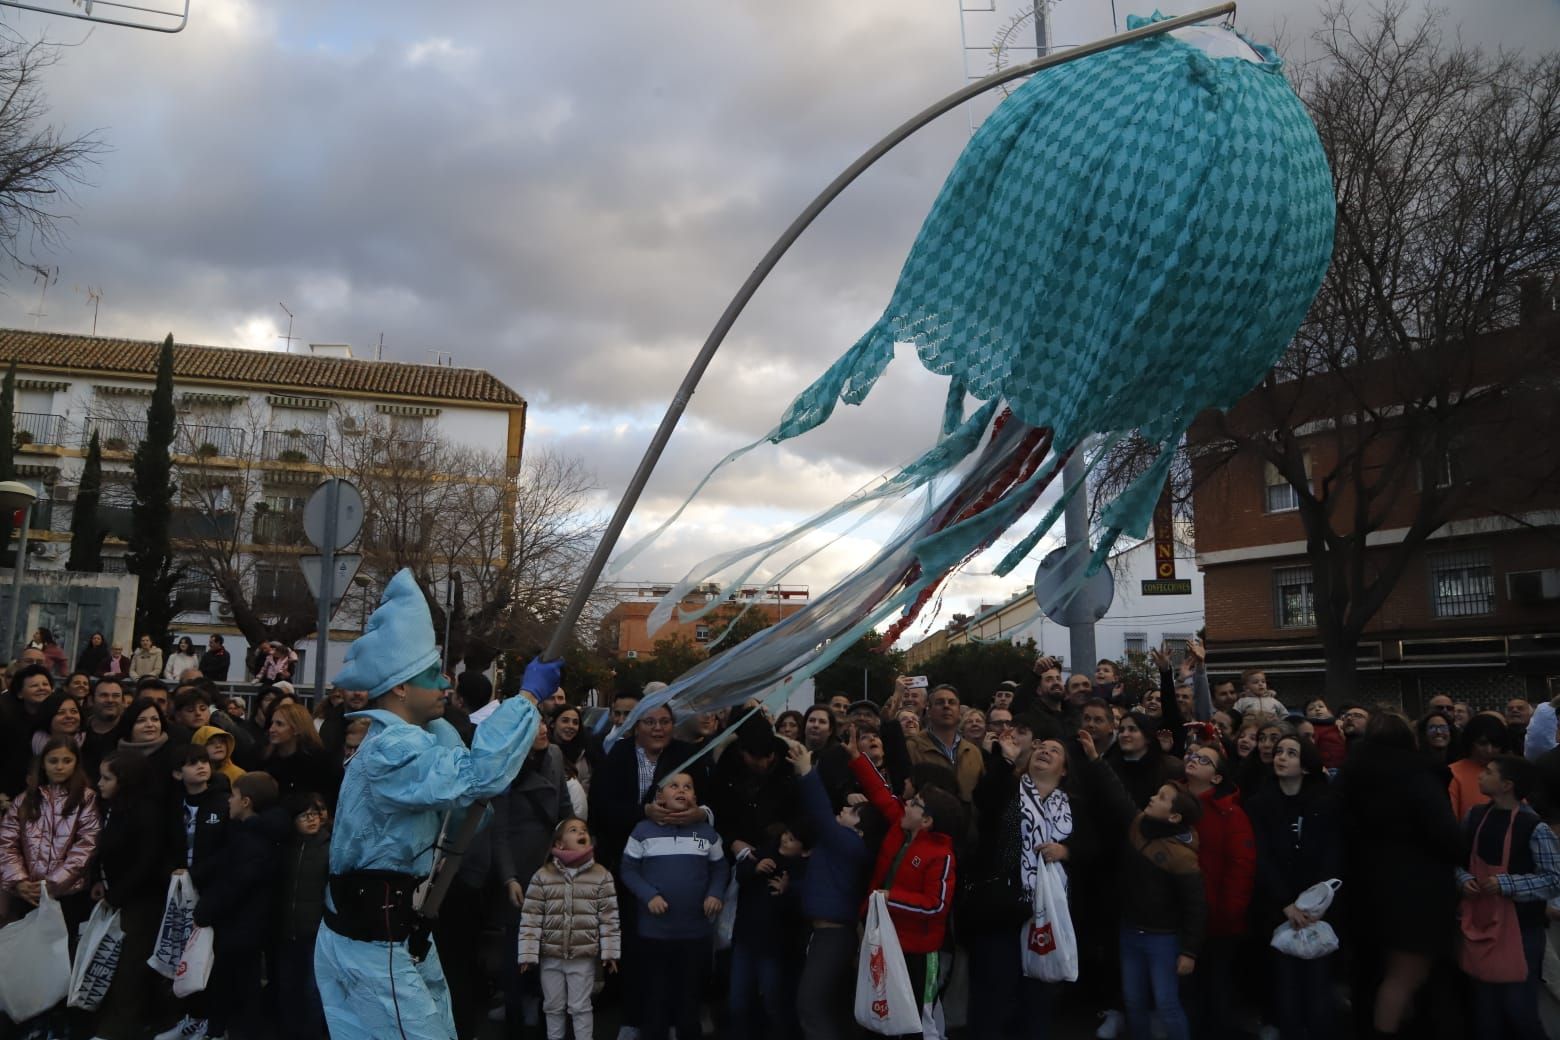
{"type": "Point", "coordinates": [396, 646]}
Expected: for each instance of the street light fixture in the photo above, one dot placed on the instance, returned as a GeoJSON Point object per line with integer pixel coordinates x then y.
{"type": "Point", "coordinates": [15, 495]}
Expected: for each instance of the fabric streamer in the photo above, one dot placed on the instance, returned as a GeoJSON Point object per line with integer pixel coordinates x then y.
{"type": "Point", "coordinates": [1129, 239]}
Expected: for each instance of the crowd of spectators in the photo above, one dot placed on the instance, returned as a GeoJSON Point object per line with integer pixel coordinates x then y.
{"type": "Point", "coordinates": [711, 873]}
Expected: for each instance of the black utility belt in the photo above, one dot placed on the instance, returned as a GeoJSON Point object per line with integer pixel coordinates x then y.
{"type": "Point", "coordinates": [373, 905]}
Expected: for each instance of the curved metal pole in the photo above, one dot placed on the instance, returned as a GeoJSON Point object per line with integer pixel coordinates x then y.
{"type": "Point", "coordinates": [684, 394]}
{"type": "Point", "coordinates": [468, 829]}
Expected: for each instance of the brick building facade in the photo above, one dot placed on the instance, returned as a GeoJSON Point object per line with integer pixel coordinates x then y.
{"type": "Point", "coordinates": [1476, 610]}
{"type": "Point", "coordinates": [625, 628]}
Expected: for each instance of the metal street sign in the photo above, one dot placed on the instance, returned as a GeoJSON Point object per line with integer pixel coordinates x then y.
{"type": "Point", "coordinates": [344, 567]}
{"type": "Point", "coordinates": [349, 514]}
{"type": "Point", "coordinates": [1088, 602]}
{"type": "Point", "coordinates": [1173, 587]}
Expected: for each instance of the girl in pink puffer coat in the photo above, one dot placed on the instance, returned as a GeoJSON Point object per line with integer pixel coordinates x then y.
{"type": "Point", "coordinates": [50, 833]}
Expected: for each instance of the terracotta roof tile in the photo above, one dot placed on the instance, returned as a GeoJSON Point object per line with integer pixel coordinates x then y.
{"type": "Point", "coordinates": [291, 372]}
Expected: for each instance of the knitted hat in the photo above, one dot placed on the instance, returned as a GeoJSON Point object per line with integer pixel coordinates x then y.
{"type": "Point", "coordinates": [396, 646]}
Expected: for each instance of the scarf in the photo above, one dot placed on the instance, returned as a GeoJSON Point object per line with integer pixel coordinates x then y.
{"type": "Point", "coordinates": [573, 858]}
{"type": "Point", "coordinates": [143, 747]}
{"type": "Point", "coordinates": [1041, 822]}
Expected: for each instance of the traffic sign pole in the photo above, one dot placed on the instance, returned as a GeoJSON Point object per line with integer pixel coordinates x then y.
{"type": "Point", "coordinates": [327, 584]}
{"type": "Point", "coordinates": [1080, 636]}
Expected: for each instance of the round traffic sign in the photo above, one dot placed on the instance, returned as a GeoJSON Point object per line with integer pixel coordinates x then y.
{"type": "Point", "coordinates": [1068, 598]}
{"type": "Point", "coordinates": [349, 513]}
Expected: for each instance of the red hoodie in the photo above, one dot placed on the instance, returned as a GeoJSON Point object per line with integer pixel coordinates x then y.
{"type": "Point", "coordinates": [1227, 854]}
{"type": "Point", "coordinates": [1330, 741]}
{"type": "Point", "coordinates": [921, 893]}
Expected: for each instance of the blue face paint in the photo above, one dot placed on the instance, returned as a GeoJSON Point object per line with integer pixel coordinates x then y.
{"type": "Point", "coordinates": [431, 678]}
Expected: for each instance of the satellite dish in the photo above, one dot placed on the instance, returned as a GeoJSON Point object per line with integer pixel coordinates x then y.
{"type": "Point", "coordinates": [167, 16]}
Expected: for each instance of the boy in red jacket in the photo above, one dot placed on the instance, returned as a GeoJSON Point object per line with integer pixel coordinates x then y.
{"type": "Point", "coordinates": [915, 865]}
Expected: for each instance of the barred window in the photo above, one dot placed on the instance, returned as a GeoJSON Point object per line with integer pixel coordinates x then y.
{"type": "Point", "coordinates": [1462, 584]}
{"type": "Point", "coordinates": [1136, 642]}
{"type": "Point", "coordinates": [1294, 603]}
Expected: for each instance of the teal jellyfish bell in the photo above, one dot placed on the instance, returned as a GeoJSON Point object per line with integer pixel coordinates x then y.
{"type": "Point", "coordinates": [1130, 238]}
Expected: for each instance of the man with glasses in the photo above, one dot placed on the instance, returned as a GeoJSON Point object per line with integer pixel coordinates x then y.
{"type": "Point", "coordinates": [1352, 720]}
{"type": "Point", "coordinates": [622, 793]}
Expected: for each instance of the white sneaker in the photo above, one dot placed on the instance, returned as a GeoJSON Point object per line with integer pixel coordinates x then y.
{"type": "Point", "coordinates": [186, 1028]}
{"type": "Point", "coordinates": [1110, 1025]}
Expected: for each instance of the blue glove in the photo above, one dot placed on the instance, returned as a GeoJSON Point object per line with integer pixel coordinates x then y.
{"type": "Point", "coordinates": [542, 678]}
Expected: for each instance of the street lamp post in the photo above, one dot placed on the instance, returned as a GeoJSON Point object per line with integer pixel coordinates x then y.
{"type": "Point", "coordinates": [16, 495]}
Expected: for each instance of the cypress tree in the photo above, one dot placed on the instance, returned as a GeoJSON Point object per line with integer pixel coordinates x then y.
{"type": "Point", "coordinates": [7, 448]}
{"type": "Point", "coordinates": [150, 551]}
{"type": "Point", "coordinates": [86, 529]}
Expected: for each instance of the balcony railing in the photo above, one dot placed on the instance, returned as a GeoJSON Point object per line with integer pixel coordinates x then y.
{"type": "Point", "coordinates": [287, 446]}
{"type": "Point", "coordinates": [278, 529]}
{"type": "Point", "coordinates": [199, 440]}
{"type": "Point", "coordinates": [198, 525]}
{"type": "Point", "coordinates": [113, 434]}
{"type": "Point", "coordinates": [38, 430]}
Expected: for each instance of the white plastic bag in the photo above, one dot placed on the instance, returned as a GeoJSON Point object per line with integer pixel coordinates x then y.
{"type": "Point", "coordinates": [1308, 943]}
{"type": "Point", "coordinates": [1318, 898]}
{"type": "Point", "coordinates": [1047, 942]}
{"type": "Point", "coordinates": [1314, 941]}
{"type": "Point", "coordinates": [97, 958]}
{"type": "Point", "coordinates": [195, 966]}
{"type": "Point", "coordinates": [34, 961]}
{"type": "Point", "coordinates": [885, 1001]}
{"type": "Point", "coordinates": [178, 922]}
{"type": "Point", "coordinates": [726, 923]}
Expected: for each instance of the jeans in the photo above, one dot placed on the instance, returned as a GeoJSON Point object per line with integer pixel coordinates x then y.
{"type": "Point", "coordinates": [758, 979]}
{"type": "Point", "coordinates": [1149, 982]}
{"type": "Point", "coordinates": [826, 996]}
{"type": "Point", "coordinates": [1004, 1005]}
{"type": "Point", "coordinates": [672, 975]}
{"type": "Point", "coordinates": [1510, 1009]}
{"type": "Point", "coordinates": [1302, 998]}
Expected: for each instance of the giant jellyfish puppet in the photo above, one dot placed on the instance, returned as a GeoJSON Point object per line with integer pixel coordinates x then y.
{"type": "Point", "coordinates": [1127, 240]}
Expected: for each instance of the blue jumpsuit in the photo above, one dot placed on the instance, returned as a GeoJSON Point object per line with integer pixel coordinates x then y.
{"type": "Point", "coordinates": [397, 787]}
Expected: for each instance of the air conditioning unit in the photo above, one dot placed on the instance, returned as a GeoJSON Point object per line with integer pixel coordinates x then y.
{"type": "Point", "coordinates": [632, 655]}
{"type": "Point", "coordinates": [224, 611]}
{"type": "Point", "coordinates": [1528, 587]}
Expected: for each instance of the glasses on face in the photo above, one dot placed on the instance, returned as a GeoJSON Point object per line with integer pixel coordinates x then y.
{"type": "Point", "coordinates": [310, 814]}
{"type": "Point", "coordinates": [999, 724]}
{"type": "Point", "coordinates": [1356, 715]}
{"type": "Point", "coordinates": [1201, 760]}
{"type": "Point", "coordinates": [656, 723]}
{"type": "Point", "coordinates": [1440, 731]}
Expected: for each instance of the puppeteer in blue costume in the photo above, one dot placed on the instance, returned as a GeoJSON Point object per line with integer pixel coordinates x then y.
{"type": "Point", "coordinates": [411, 769]}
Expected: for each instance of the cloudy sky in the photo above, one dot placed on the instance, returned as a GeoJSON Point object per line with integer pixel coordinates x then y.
{"type": "Point", "coordinates": [565, 194]}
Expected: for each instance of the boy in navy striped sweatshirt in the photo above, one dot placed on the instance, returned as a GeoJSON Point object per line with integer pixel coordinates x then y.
{"type": "Point", "coordinates": [678, 875]}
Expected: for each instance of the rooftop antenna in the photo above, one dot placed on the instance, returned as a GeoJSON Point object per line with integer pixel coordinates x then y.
{"type": "Point", "coordinates": [46, 276]}
{"type": "Point", "coordinates": [94, 297]}
{"type": "Point", "coordinates": [289, 337]}
{"type": "Point", "coordinates": [379, 351]}
{"type": "Point", "coordinates": [443, 358]}
{"type": "Point", "coordinates": [164, 16]}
